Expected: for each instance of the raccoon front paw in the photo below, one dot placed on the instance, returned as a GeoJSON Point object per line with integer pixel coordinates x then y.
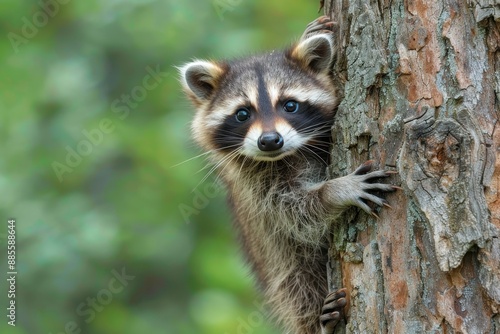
{"type": "Point", "coordinates": [321, 25]}
{"type": "Point", "coordinates": [332, 310]}
{"type": "Point", "coordinates": [358, 188]}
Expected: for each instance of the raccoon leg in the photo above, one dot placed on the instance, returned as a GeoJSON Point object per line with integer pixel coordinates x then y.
{"type": "Point", "coordinates": [332, 309]}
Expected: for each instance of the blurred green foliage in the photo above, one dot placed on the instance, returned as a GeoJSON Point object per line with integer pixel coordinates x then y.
{"type": "Point", "coordinates": [88, 147]}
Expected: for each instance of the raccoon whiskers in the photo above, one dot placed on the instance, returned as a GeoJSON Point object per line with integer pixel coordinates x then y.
{"type": "Point", "coordinates": [316, 126]}
{"type": "Point", "coordinates": [190, 159]}
{"type": "Point", "coordinates": [321, 127]}
{"type": "Point", "coordinates": [316, 147]}
{"type": "Point", "coordinates": [227, 158]}
{"type": "Point", "coordinates": [208, 153]}
{"type": "Point", "coordinates": [241, 167]}
{"type": "Point", "coordinates": [317, 156]}
{"type": "Point", "coordinates": [227, 162]}
{"type": "Point", "coordinates": [290, 164]}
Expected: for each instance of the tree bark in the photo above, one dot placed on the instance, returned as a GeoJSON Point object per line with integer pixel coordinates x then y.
{"type": "Point", "coordinates": [421, 86]}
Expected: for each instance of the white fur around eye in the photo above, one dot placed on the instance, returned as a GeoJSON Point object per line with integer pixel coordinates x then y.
{"type": "Point", "coordinates": [312, 95]}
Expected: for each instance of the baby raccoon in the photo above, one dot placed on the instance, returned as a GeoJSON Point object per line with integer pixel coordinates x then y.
{"type": "Point", "coordinates": [266, 121]}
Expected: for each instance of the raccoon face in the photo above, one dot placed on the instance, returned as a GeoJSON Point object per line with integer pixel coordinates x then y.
{"type": "Point", "coordinates": [264, 107]}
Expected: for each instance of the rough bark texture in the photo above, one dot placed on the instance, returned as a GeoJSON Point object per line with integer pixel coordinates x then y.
{"type": "Point", "coordinates": [422, 97]}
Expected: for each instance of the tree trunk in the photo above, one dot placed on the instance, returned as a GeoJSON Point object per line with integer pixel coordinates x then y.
{"type": "Point", "coordinates": [421, 97]}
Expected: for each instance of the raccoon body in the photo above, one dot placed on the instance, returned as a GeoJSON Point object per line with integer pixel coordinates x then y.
{"type": "Point", "coordinates": [266, 121]}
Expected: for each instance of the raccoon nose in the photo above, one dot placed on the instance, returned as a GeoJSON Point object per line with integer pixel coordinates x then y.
{"type": "Point", "coordinates": [270, 141]}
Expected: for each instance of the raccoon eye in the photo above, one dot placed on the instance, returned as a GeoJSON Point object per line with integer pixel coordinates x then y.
{"type": "Point", "coordinates": [291, 106]}
{"type": "Point", "coordinates": [242, 115]}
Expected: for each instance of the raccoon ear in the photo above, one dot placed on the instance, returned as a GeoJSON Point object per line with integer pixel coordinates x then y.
{"type": "Point", "coordinates": [315, 52]}
{"type": "Point", "coordinates": [199, 79]}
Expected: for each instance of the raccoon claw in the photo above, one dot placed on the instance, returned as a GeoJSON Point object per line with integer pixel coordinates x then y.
{"type": "Point", "coordinates": [358, 189]}
{"type": "Point", "coordinates": [364, 168]}
{"type": "Point", "coordinates": [322, 24]}
{"type": "Point", "coordinates": [332, 310]}
{"type": "Point", "coordinates": [366, 179]}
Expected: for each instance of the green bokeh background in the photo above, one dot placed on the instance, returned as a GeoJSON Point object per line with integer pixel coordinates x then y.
{"type": "Point", "coordinates": [119, 207]}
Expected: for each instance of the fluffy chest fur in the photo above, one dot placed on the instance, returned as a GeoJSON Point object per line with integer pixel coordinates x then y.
{"type": "Point", "coordinates": [278, 218]}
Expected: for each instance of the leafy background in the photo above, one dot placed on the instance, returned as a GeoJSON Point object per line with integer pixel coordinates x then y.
{"type": "Point", "coordinates": [127, 204]}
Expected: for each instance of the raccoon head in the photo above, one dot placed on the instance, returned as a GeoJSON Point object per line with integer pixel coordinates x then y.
{"type": "Point", "coordinates": [264, 107]}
